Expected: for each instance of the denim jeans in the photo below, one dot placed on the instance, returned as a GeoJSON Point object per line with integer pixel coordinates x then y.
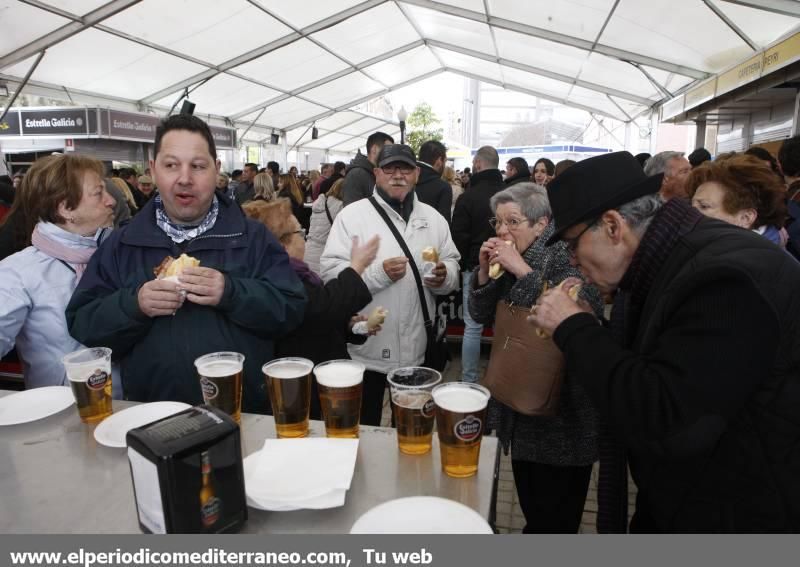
{"type": "Point", "coordinates": [471, 345]}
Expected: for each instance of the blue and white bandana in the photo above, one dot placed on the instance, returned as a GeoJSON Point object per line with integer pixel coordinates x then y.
{"type": "Point", "coordinates": [180, 233]}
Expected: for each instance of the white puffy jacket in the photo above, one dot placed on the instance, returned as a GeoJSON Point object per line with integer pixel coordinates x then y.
{"type": "Point", "coordinates": [402, 341]}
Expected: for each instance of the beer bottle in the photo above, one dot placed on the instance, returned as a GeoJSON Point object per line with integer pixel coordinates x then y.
{"type": "Point", "coordinates": [209, 503]}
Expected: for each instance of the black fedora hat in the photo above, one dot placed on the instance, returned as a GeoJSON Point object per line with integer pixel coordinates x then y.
{"type": "Point", "coordinates": [592, 186]}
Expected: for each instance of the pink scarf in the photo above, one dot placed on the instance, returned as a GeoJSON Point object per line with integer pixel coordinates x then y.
{"type": "Point", "coordinates": [77, 258]}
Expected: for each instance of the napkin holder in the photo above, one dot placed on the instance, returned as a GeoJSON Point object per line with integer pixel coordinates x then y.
{"type": "Point", "coordinates": [187, 473]}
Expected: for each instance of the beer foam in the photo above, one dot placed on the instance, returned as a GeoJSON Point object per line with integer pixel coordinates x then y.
{"type": "Point", "coordinates": [284, 370]}
{"type": "Point", "coordinates": [460, 399]}
{"type": "Point", "coordinates": [340, 375]}
{"type": "Point", "coordinates": [219, 368]}
{"type": "Point", "coordinates": [82, 372]}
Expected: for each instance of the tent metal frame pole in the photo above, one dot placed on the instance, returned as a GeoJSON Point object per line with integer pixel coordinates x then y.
{"type": "Point", "coordinates": [728, 22]}
{"type": "Point", "coordinates": [543, 72]}
{"type": "Point", "coordinates": [783, 7]}
{"type": "Point", "coordinates": [66, 31]}
{"type": "Point", "coordinates": [22, 84]}
{"type": "Point", "coordinates": [556, 37]}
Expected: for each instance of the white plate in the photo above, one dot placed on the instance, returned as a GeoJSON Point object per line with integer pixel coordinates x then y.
{"type": "Point", "coordinates": [421, 515]}
{"type": "Point", "coordinates": [329, 499]}
{"type": "Point", "coordinates": [34, 404]}
{"type": "Point", "coordinates": [112, 430]}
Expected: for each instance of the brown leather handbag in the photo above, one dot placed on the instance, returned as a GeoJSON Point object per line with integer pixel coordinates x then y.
{"type": "Point", "coordinates": [525, 371]}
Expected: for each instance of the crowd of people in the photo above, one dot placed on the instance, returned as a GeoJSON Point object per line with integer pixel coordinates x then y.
{"type": "Point", "coordinates": [690, 383]}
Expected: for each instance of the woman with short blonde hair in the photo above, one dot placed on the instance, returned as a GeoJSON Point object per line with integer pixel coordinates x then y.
{"type": "Point", "coordinates": [263, 188]}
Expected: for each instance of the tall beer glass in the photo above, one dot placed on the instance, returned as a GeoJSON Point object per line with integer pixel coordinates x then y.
{"type": "Point", "coordinates": [221, 381]}
{"type": "Point", "coordinates": [413, 407]}
{"type": "Point", "coordinates": [340, 384]}
{"type": "Point", "coordinates": [289, 387]}
{"type": "Point", "coordinates": [460, 419]}
{"type": "Point", "coordinates": [89, 375]}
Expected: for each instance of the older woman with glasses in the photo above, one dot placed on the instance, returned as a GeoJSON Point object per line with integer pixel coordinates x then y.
{"type": "Point", "coordinates": [332, 308]}
{"type": "Point", "coordinates": [551, 457]}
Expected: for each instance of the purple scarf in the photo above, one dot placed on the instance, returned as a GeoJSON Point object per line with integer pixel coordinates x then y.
{"type": "Point", "coordinates": [304, 272]}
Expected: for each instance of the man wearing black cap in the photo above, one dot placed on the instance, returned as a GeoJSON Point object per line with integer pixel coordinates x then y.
{"type": "Point", "coordinates": [697, 379]}
{"type": "Point", "coordinates": [403, 340]}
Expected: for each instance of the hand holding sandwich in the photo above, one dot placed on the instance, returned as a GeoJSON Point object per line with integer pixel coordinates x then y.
{"type": "Point", "coordinates": [203, 286]}
{"type": "Point", "coordinates": [557, 304]}
{"type": "Point", "coordinates": [160, 297]}
{"type": "Point", "coordinates": [498, 256]}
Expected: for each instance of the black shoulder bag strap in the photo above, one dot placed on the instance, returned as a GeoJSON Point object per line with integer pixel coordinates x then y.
{"type": "Point", "coordinates": [401, 241]}
{"type": "Point", "coordinates": [327, 211]}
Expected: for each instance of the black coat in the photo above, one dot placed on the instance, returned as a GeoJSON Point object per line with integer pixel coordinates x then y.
{"type": "Point", "coordinates": [326, 184]}
{"type": "Point", "coordinates": [470, 227]}
{"type": "Point", "coordinates": [323, 335]}
{"type": "Point", "coordinates": [705, 395]}
{"type": "Point", "coordinates": [434, 191]}
{"type": "Point", "coordinates": [523, 177]}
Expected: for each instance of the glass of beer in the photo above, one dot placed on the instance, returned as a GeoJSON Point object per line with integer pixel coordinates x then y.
{"type": "Point", "coordinates": [413, 407]}
{"type": "Point", "coordinates": [221, 381]}
{"type": "Point", "coordinates": [289, 387]}
{"type": "Point", "coordinates": [340, 383]}
{"type": "Point", "coordinates": [89, 375]}
{"type": "Point", "coordinates": [460, 418]}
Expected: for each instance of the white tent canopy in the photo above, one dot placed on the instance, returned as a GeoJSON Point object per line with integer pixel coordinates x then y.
{"type": "Point", "coordinates": [265, 65]}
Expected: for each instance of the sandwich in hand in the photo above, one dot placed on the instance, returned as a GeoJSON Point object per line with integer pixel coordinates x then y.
{"type": "Point", "coordinates": [171, 268]}
{"type": "Point", "coordinates": [430, 254]}
{"type": "Point", "coordinates": [496, 270]}
{"type": "Point", "coordinates": [573, 295]}
{"type": "Point", "coordinates": [430, 257]}
{"type": "Point", "coordinates": [376, 318]}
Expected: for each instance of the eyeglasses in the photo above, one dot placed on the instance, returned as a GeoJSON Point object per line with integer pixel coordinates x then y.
{"type": "Point", "coordinates": [512, 224]}
{"type": "Point", "coordinates": [572, 243]}
{"type": "Point", "coordinates": [402, 167]}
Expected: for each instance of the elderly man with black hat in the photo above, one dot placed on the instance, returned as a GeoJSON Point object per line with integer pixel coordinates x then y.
{"type": "Point", "coordinates": [392, 279]}
{"type": "Point", "coordinates": [698, 378]}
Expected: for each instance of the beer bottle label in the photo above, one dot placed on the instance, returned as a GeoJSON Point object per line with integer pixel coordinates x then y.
{"type": "Point", "coordinates": [97, 381]}
{"type": "Point", "coordinates": [468, 429]}
{"type": "Point", "coordinates": [209, 512]}
{"type": "Point", "coordinates": [210, 390]}
{"type": "Point", "coordinates": [429, 408]}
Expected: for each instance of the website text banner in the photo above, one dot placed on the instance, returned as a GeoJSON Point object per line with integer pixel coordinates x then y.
{"type": "Point", "coordinates": [395, 551]}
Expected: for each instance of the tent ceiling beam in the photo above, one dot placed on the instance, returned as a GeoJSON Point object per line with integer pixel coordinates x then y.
{"type": "Point", "coordinates": [783, 7]}
{"type": "Point", "coordinates": [404, 9]}
{"type": "Point", "coordinates": [22, 85]}
{"type": "Point", "coordinates": [603, 126]}
{"type": "Point", "coordinates": [263, 50]}
{"type": "Point", "coordinates": [66, 31]}
{"type": "Point", "coordinates": [324, 80]}
{"type": "Point", "coordinates": [661, 88]}
{"type": "Point", "coordinates": [117, 33]}
{"type": "Point", "coordinates": [347, 106]}
{"type": "Point", "coordinates": [622, 110]}
{"type": "Point", "coordinates": [350, 64]}
{"type": "Point", "coordinates": [543, 72]}
{"type": "Point", "coordinates": [605, 24]}
{"type": "Point", "coordinates": [359, 119]}
{"type": "Point", "coordinates": [728, 22]}
{"type": "Point", "coordinates": [563, 39]}
{"type": "Point", "coordinates": [531, 92]}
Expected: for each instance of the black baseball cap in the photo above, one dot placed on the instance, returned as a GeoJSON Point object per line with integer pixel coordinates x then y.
{"type": "Point", "coordinates": [393, 153]}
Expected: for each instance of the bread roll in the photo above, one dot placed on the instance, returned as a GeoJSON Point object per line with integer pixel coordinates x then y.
{"type": "Point", "coordinates": [573, 294]}
{"type": "Point", "coordinates": [173, 267]}
{"type": "Point", "coordinates": [430, 254]}
{"type": "Point", "coordinates": [376, 318]}
{"type": "Point", "coordinates": [496, 270]}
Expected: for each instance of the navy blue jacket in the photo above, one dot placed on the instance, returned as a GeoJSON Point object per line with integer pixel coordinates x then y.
{"type": "Point", "coordinates": [263, 300]}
